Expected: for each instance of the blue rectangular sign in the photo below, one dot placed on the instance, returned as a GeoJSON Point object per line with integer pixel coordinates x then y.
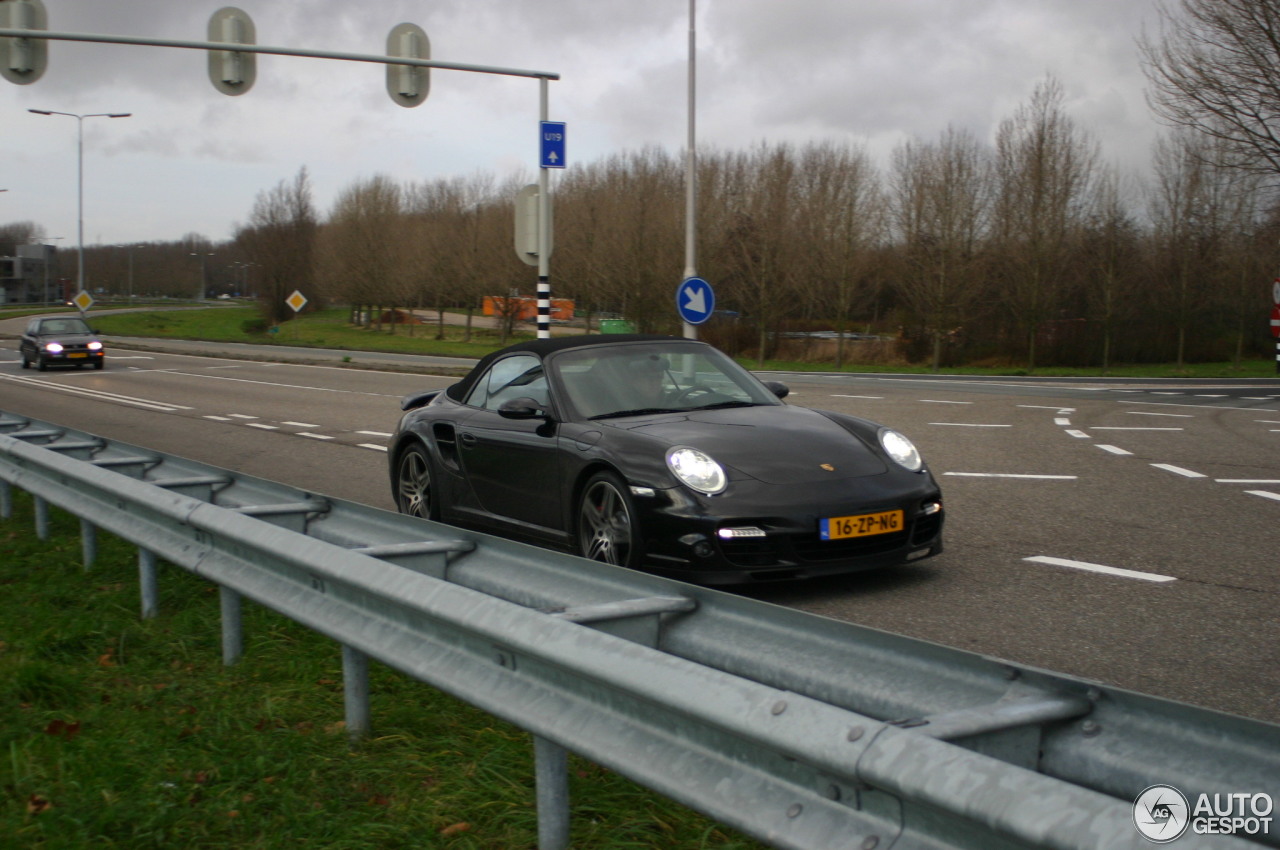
{"type": "Point", "coordinates": [551, 144]}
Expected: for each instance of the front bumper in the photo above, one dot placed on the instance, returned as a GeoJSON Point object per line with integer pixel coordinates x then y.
{"type": "Point", "coordinates": [683, 537]}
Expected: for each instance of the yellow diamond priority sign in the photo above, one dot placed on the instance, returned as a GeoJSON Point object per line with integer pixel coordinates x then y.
{"type": "Point", "coordinates": [297, 301]}
{"type": "Point", "coordinates": [83, 301]}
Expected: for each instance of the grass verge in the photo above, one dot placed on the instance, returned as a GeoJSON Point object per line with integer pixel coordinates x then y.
{"type": "Point", "coordinates": [118, 732]}
{"type": "Point", "coordinates": [330, 328]}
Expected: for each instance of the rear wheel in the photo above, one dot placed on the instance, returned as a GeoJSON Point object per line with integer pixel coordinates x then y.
{"type": "Point", "coordinates": [607, 529]}
{"type": "Point", "coordinates": [414, 484]}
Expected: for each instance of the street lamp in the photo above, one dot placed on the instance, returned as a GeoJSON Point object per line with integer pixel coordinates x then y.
{"type": "Point", "coordinates": [80, 176]}
{"type": "Point", "coordinates": [204, 273]}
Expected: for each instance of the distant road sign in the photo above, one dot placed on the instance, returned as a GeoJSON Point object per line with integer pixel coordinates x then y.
{"type": "Point", "coordinates": [296, 301]}
{"type": "Point", "coordinates": [695, 300]}
{"type": "Point", "coordinates": [83, 301]}
{"type": "Point", "coordinates": [552, 144]}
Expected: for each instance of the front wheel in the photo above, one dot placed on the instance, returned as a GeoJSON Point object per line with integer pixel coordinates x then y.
{"type": "Point", "coordinates": [414, 487]}
{"type": "Point", "coordinates": [607, 528]}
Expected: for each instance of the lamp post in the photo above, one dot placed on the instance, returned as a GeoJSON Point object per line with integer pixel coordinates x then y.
{"type": "Point", "coordinates": [204, 273]}
{"type": "Point", "coordinates": [80, 177]}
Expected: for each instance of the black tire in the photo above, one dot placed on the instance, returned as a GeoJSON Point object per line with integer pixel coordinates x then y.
{"type": "Point", "coordinates": [40, 364]}
{"type": "Point", "coordinates": [26, 364]}
{"type": "Point", "coordinates": [606, 522]}
{"type": "Point", "coordinates": [415, 484]}
{"type": "Point", "coordinates": [99, 364]}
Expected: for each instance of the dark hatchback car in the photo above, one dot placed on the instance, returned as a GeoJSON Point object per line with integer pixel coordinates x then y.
{"type": "Point", "coordinates": [62, 341]}
{"type": "Point", "coordinates": [662, 454]}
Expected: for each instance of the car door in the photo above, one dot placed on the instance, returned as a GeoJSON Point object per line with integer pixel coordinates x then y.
{"type": "Point", "coordinates": [512, 465]}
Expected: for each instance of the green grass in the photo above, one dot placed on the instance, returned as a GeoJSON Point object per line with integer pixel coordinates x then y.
{"type": "Point", "coordinates": [118, 732]}
{"type": "Point", "coordinates": [330, 329]}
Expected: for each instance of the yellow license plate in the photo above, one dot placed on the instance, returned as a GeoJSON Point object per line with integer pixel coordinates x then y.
{"type": "Point", "coordinates": [864, 525]}
{"type": "Point", "coordinates": [78, 354]}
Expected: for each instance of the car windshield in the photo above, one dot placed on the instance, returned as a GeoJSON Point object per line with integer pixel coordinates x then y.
{"type": "Point", "coordinates": [634, 379]}
{"type": "Point", "coordinates": [64, 326]}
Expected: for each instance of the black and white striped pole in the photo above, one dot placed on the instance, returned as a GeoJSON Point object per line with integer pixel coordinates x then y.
{"type": "Point", "coordinates": [551, 146]}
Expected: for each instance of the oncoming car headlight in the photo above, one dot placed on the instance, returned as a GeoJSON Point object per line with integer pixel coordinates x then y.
{"type": "Point", "coordinates": [53, 347]}
{"type": "Point", "coordinates": [697, 470]}
{"type": "Point", "coordinates": [95, 346]}
{"type": "Point", "coordinates": [902, 450]}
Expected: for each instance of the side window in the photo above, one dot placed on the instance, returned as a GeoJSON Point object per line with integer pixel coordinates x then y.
{"type": "Point", "coordinates": [33, 327]}
{"type": "Point", "coordinates": [520, 376]}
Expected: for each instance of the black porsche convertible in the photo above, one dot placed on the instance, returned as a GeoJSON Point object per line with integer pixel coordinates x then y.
{"type": "Point", "coordinates": [662, 454]}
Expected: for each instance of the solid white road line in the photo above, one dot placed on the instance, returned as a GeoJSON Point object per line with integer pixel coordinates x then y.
{"type": "Point", "coordinates": [1133, 428]}
{"type": "Point", "coordinates": [1010, 475]}
{"type": "Point", "coordinates": [1099, 568]}
{"type": "Point", "coordinates": [969, 425]}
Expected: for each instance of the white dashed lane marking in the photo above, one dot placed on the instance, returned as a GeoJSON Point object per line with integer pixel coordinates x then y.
{"type": "Point", "coordinates": [1100, 568]}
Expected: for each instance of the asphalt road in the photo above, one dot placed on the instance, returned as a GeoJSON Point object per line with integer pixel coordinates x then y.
{"type": "Point", "coordinates": [1123, 533]}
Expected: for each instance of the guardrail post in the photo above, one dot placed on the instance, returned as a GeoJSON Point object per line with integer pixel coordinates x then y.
{"type": "Point", "coordinates": [88, 542]}
{"type": "Point", "coordinates": [42, 517]}
{"type": "Point", "coordinates": [147, 582]}
{"type": "Point", "coordinates": [232, 634]}
{"type": "Point", "coordinates": [6, 500]}
{"type": "Point", "coordinates": [551, 770]}
{"type": "Point", "coordinates": [355, 692]}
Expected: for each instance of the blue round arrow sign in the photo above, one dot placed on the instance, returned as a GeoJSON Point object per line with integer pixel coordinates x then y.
{"type": "Point", "coordinates": [695, 301]}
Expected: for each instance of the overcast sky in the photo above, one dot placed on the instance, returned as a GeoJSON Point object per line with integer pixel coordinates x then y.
{"type": "Point", "coordinates": [193, 160]}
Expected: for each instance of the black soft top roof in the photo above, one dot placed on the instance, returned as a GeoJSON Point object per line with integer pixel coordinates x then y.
{"type": "Point", "coordinates": [541, 348]}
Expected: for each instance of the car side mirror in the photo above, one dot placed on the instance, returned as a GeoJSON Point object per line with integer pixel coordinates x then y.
{"type": "Point", "coordinates": [778, 388]}
{"type": "Point", "coordinates": [523, 408]}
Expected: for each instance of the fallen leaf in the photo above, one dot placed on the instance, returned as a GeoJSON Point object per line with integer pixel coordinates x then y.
{"type": "Point", "coordinates": [37, 805]}
{"type": "Point", "coordinates": [456, 828]}
{"type": "Point", "coordinates": [63, 729]}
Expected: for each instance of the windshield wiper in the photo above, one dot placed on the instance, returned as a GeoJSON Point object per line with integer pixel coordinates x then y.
{"type": "Point", "coordinates": [721, 405]}
{"type": "Point", "coordinates": [640, 411]}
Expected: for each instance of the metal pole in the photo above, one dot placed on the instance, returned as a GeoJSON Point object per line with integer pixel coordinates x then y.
{"type": "Point", "coordinates": [551, 778]}
{"type": "Point", "coordinates": [691, 171]}
{"type": "Point", "coordinates": [79, 203]}
{"type": "Point", "coordinates": [355, 692]}
{"type": "Point", "coordinates": [544, 231]}
{"type": "Point", "coordinates": [232, 634]}
{"type": "Point", "coordinates": [88, 542]}
{"type": "Point", "coordinates": [147, 583]}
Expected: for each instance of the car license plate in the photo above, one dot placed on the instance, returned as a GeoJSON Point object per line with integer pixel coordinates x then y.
{"type": "Point", "coordinates": [864, 525]}
{"type": "Point", "coordinates": [78, 354]}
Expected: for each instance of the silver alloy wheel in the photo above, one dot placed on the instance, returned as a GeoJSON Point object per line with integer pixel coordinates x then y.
{"type": "Point", "coordinates": [605, 524]}
{"type": "Point", "coordinates": [413, 484]}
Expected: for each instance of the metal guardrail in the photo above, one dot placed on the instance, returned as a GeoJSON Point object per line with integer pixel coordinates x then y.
{"type": "Point", "coordinates": [800, 731]}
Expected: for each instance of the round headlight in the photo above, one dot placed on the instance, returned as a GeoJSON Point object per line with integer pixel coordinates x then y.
{"type": "Point", "coordinates": [901, 450]}
{"type": "Point", "coordinates": [95, 346]}
{"type": "Point", "coordinates": [697, 470]}
{"type": "Point", "coordinates": [53, 347]}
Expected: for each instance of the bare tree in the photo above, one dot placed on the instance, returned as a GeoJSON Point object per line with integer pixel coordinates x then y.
{"type": "Point", "coordinates": [1215, 68]}
{"type": "Point", "coordinates": [280, 241]}
{"type": "Point", "coordinates": [940, 200]}
{"type": "Point", "coordinates": [1044, 165]}
{"type": "Point", "coordinates": [360, 262]}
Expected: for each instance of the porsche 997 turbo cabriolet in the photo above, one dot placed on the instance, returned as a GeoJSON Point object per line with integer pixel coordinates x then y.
{"type": "Point", "coordinates": [662, 454]}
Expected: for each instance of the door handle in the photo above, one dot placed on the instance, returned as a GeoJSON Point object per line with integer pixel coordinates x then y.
{"type": "Point", "coordinates": [468, 440]}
